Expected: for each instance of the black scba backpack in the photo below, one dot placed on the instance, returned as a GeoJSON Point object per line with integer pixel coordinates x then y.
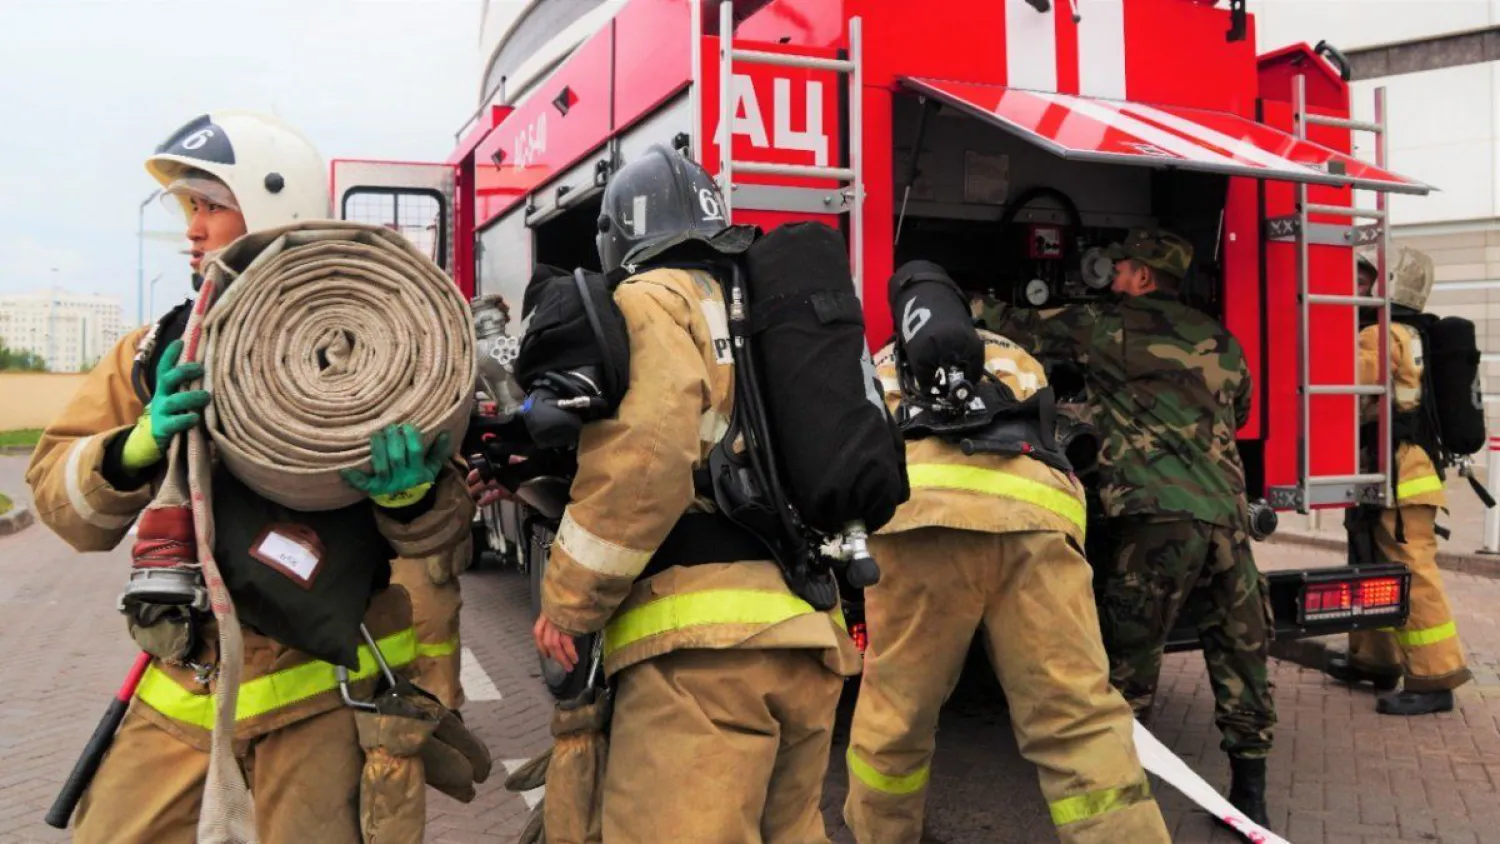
{"type": "Point", "coordinates": [825, 456]}
{"type": "Point", "coordinates": [574, 367]}
{"type": "Point", "coordinates": [1449, 422]}
{"type": "Point", "coordinates": [821, 456]}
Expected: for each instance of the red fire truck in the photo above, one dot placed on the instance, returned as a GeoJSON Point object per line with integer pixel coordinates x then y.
{"type": "Point", "coordinates": [1009, 140]}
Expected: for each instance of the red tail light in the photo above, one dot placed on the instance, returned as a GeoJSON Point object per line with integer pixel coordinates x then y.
{"type": "Point", "coordinates": [1325, 598]}
{"type": "Point", "coordinates": [857, 633]}
{"type": "Point", "coordinates": [1380, 592]}
{"type": "Point", "coordinates": [1357, 596]}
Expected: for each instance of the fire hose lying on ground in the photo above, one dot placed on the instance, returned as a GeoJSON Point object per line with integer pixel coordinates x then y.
{"type": "Point", "coordinates": [313, 337]}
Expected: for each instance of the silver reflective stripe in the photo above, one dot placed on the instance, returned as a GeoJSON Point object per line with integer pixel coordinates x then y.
{"type": "Point", "coordinates": [712, 426]}
{"type": "Point", "coordinates": [1028, 382]}
{"type": "Point", "coordinates": [81, 506]}
{"type": "Point", "coordinates": [597, 554]}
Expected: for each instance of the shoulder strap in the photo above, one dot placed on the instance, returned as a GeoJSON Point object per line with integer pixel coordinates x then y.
{"type": "Point", "coordinates": [148, 354]}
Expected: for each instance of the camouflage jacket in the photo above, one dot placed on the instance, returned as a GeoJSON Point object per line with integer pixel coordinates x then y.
{"type": "Point", "coordinates": [1169, 386]}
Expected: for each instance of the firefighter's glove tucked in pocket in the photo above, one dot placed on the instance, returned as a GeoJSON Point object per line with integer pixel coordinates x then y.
{"type": "Point", "coordinates": [412, 741]}
{"type": "Point", "coordinates": [170, 412]}
{"type": "Point", "coordinates": [392, 786]}
{"type": "Point", "coordinates": [403, 471]}
{"type": "Point", "coordinates": [573, 811]}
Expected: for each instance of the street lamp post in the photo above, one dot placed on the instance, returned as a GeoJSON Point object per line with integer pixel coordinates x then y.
{"type": "Point", "coordinates": [151, 307]}
{"type": "Point", "coordinates": [140, 257]}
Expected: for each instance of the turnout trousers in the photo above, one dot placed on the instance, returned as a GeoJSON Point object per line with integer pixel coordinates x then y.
{"type": "Point", "coordinates": [1031, 593]}
{"type": "Point", "coordinates": [304, 777]}
{"type": "Point", "coordinates": [720, 745]}
{"type": "Point", "coordinates": [1426, 650]}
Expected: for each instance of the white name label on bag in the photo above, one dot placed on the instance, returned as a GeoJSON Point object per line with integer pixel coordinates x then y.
{"type": "Point", "coordinates": [292, 550]}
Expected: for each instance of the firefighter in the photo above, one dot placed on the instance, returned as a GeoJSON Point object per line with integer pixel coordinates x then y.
{"type": "Point", "coordinates": [993, 541]}
{"type": "Point", "coordinates": [1171, 387]}
{"type": "Point", "coordinates": [725, 683]}
{"type": "Point", "coordinates": [95, 469]}
{"type": "Point", "coordinates": [1424, 655]}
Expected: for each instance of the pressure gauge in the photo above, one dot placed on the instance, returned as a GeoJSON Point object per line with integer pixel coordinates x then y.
{"type": "Point", "coordinates": [1037, 292]}
{"type": "Point", "coordinates": [1096, 267]}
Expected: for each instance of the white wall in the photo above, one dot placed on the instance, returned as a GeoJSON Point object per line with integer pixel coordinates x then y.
{"type": "Point", "coordinates": [495, 19]}
{"type": "Point", "coordinates": [1443, 123]}
{"type": "Point", "coordinates": [1347, 24]}
{"type": "Point", "coordinates": [1442, 131]}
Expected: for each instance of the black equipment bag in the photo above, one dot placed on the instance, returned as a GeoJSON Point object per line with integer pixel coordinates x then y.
{"type": "Point", "coordinates": [574, 325]}
{"type": "Point", "coordinates": [1452, 358]}
{"type": "Point", "coordinates": [839, 451]}
{"type": "Point", "coordinates": [318, 613]}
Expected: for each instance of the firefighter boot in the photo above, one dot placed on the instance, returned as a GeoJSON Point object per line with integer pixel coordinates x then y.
{"type": "Point", "coordinates": [1340, 668]}
{"type": "Point", "coordinates": [1247, 787]}
{"type": "Point", "coordinates": [1415, 703]}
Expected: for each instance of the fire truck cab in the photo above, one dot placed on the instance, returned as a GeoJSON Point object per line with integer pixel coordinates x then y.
{"type": "Point", "coordinates": [1008, 140]}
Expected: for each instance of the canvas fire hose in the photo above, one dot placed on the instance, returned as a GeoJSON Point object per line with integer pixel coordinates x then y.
{"type": "Point", "coordinates": [313, 336]}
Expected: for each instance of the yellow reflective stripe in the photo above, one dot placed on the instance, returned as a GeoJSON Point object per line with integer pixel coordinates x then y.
{"type": "Point", "coordinates": [696, 609]}
{"type": "Point", "coordinates": [1095, 803]}
{"type": "Point", "coordinates": [992, 482]}
{"type": "Point", "coordinates": [1429, 636]}
{"type": "Point", "coordinates": [1419, 486]}
{"type": "Point", "coordinates": [272, 691]}
{"type": "Point", "coordinates": [867, 774]}
{"type": "Point", "coordinates": [436, 649]}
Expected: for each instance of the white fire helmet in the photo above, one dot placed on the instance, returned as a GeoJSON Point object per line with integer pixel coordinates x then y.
{"type": "Point", "coordinates": [274, 172]}
{"type": "Point", "coordinates": [1411, 277]}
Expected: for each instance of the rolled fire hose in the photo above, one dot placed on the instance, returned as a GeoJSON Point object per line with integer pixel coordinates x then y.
{"type": "Point", "coordinates": [331, 332]}
{"type": "Point", "coordinates": [313, 336]}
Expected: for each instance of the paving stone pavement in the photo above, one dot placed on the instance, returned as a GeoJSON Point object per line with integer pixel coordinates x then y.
{"type": "Point", "coordinates": [1340, 773]}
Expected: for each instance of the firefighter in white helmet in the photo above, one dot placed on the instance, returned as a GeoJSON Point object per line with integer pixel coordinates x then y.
{"type": "Point", "coordinates": [273, 175]}
{"type": "Point", "coordinates": [96, 468]}
{"type": "Point", "coordinates": [1425, 653]}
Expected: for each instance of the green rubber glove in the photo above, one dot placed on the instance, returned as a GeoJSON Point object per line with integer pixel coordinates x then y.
{"type": "Point", "coordinates": [403, 474]}
{"type": "Point", "coordinates": [169, 413]}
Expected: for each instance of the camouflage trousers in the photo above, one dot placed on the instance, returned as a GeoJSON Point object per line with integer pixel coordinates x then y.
{"type": "Point", "coordinates": [1164, 569]}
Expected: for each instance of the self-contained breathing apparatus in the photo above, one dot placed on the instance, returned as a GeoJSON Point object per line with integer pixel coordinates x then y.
{"type": "Point", "coordinates": [947, 390]}
{"type": "Point", "coordinates": [822, 456]}
{"type": "Point", "coordinates": [572, 366]}
{"type": "Point", "coordinates": [810, 462]}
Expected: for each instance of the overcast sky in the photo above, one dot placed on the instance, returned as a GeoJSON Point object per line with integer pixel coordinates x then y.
{"type": "Point", "coordinates": [89, 87]}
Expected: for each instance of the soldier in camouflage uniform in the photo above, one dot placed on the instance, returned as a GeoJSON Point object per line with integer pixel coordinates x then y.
{"type": "Point", "coordinates": [1170, 388]}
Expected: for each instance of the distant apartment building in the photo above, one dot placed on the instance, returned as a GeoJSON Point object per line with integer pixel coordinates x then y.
{"type": "Point", "coordinates": [69, 331]}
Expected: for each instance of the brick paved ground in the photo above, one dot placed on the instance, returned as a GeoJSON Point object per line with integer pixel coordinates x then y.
{"type": "Point", "coordinates": [1340, 774]}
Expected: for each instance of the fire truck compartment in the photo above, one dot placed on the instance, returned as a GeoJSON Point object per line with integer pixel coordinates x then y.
{"type": "Point", "coordinates": [1012, 219]}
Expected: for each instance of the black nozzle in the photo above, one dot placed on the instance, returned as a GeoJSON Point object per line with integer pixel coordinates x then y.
{"type": "Point", "coordinates": [862, 572]}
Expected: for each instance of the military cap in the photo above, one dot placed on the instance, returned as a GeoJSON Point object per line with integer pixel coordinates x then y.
{"type": "Point", "coordinates": [1162, 250]}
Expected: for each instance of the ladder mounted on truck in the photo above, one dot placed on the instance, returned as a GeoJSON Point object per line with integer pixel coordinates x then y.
{"type": "Point", "coordinates": [1361, 487]}
{"type": "Point", "coordinates": [848, 198]}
